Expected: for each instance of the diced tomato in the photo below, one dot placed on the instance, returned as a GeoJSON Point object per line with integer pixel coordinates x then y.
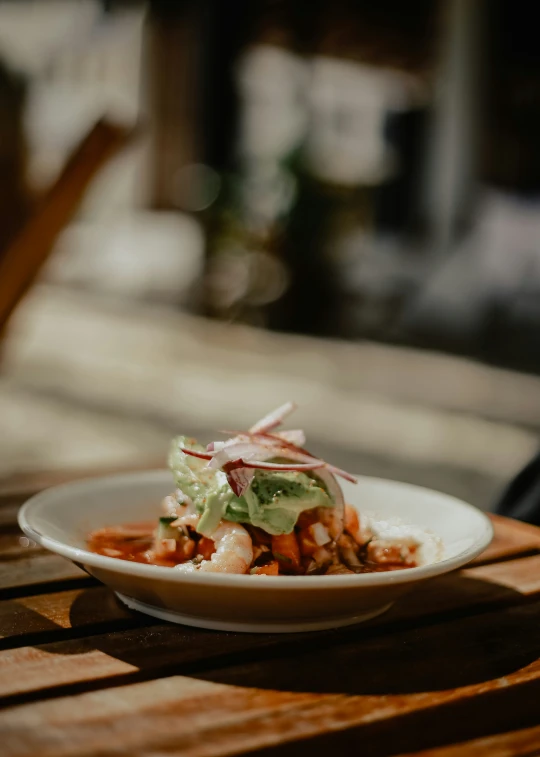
{"type": "Point", "coordinates": [271, 569]}
{"type": "Point", "coordinates": [307, 543]}
{"type": "Point", "coordinates": [205, 548]}
{"type": "Point", "coordinates": [286, 551]}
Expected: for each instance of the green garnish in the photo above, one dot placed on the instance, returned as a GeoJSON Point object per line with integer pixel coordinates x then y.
{"type": "Point", "coordinates": [273, 501]}
{"type": "Point", "coordinates": [166, 531]}
{"type": "Point", "coordinates": [284, 558]}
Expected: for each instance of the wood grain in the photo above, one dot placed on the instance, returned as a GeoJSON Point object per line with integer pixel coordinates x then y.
{"type": "Point", "coordinates": [24, 485]}
{"type": "Point", "coordinates": [24, 258]}
{"type": "Point", "coordinates": [51, 616]}
{"type": "Point", "coordinates": [522, 575]}
{"type": "Point", "coordinates": [31, 572]}
{"type": "Point", "coordinates": [400, 659]}
{"type": "Point", "coordinates": [45, 617]}
{"type": "Point", "coordinates": [523, 743]}
{"type": "Point", "coordinates": [455, 661]}
{"type": "Point", "coordinates": [511, 538]}
{"type": "Point", "coordinates": [14, 546]}
{"type": "Point", "coordinates": [167, 648]}
{"type": "Point", "coordinates": [178, 715]}
{"type": "Point", "coordinates": [9, 508]}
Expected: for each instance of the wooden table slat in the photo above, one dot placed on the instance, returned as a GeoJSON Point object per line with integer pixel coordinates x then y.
{"type": "Point", "coordinates": [160, 649]}
{"type": "Point", "coordinates": [178, 715]}
{"type": "Point", "coordinates": [25, 574]}
{"type": "Point", "coordinates": [25, 485]}
{"type": "Point", "coordinates": [522, 743]}
{"type": "Point", "coordinates": [13, 546]}
{"type": "Point", "coordinates": [53, 615]}
{"type": "Point", "coordinates": [80, 675]}
{"type": "Point", "coordinates": [511, 538]}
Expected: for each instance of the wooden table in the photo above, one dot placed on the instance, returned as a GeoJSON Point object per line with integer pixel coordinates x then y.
{"type": "Point", "coordinates": [455, 662]}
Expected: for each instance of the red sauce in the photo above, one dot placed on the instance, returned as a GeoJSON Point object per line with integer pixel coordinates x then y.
{"type": "Point", "coordinates": [131, 541]}
{"type": "Point", "coordinates": [134, 542]}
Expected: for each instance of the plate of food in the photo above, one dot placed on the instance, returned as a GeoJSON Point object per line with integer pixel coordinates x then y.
{"type": "Point", "coordinates": [254, 533]}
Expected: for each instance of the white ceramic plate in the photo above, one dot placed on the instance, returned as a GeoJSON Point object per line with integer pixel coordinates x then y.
{"type": "Point", "coordinates": [60, 519]}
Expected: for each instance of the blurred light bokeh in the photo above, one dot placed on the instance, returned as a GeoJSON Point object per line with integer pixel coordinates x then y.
{"type": "Point", "coordinates": [333, 202]}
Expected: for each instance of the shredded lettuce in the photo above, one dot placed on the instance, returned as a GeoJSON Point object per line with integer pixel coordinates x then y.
{"type": "Point", "coordinates": [273, 502]}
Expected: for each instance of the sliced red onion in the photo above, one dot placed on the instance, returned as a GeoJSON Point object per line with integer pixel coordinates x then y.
{"type": "Point", "coordinates": [240, 472]}
{"type": "Point", "coordinates": [196, 453]}
{"type": "Point", "coordinates": [284, 466]}
{"type": "Point", "coordinates": [237, 451]}
{"type": "Point", "coordinates": [332, 486]}
{"type": "Point", "coordinates": [239, 460]}
{"type": "Point", "coordinates": [342, 473]}
{"type": "Point", "coordinates": [238, 476]}
{"type": "Point", "coordinates": [290, 452]}
{"type": "Point", "coordinates": [269, 446]}
{"type": "Point", "coordinates": [273, 419]}
{"type": "Point", "coordinates": [293, 448]}
{"type": "Point", "coordinates": [246, 452]}
{"type": "Point", "coordinates": [236, 439]}
{"type": "Point", "coordinates": [287, 444]}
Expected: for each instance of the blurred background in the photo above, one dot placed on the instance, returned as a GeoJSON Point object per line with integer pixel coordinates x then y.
{"type": "Point", "coordinates": [336, 202]}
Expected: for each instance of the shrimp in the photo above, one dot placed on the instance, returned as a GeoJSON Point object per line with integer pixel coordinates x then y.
{"type": "Point", "coordinates": [234, 549]}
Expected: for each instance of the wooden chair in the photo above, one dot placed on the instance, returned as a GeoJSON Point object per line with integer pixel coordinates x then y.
{"type": "Point", "coordinates": [25, 256]}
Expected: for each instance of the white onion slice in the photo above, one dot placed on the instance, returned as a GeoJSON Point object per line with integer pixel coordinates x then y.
{"type": "Point", "coordinates": [240, 450]}
{"type": "Point", "coordinates": [294, 436]}
{"type": "Point", "coordinates": [273, 419]}
{"type": "Point", "coordinates": [319, 534]}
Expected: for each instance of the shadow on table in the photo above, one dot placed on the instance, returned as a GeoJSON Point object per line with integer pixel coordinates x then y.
{"type": "Point", "coordinates": [408, 650]}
